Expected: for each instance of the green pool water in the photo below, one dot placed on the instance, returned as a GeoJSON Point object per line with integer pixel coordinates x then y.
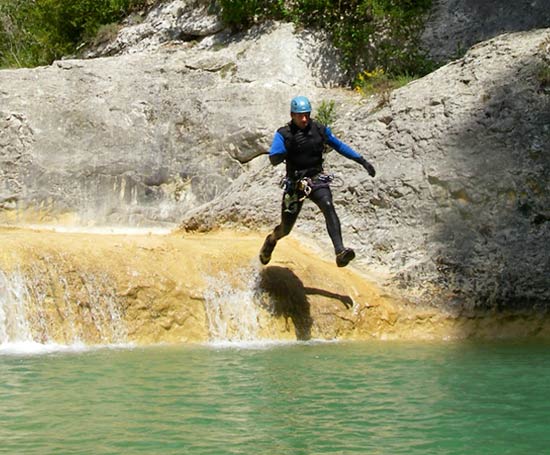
{"type": "Point", "coordinates": [299, 398]}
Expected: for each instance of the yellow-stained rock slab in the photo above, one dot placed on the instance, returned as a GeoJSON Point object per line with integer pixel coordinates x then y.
{"type": "Point", "coordinates": [101, 288]}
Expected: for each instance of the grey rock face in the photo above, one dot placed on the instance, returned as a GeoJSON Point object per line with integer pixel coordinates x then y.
{"type": "Point", "coordinates": [464, 165]}
{"type": "Point", "coordinates": [176, 21]}
{"type": "Point", "coordinates": [458, 212]}
{"type": "Point", "coordinates": [142, 138]}
{"type": "Point", "coordinates": [15, 157]}
{"type": "Point", "coordinates": [455, 25]}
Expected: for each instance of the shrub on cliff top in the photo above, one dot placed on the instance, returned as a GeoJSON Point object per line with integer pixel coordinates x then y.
{"type": "Point", "coordinates": [37, 32]}
{"type": "Point", "coordinates": [370, 33]}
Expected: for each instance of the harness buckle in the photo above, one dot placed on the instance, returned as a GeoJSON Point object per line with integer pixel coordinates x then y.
{"type": "Point", "coordinates": [304, 187]}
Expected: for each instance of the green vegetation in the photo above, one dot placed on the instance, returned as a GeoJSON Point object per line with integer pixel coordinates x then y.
{"type": "Point", "coordinates": [326, 113]}
{"type": "Point", "coordinates": [543, 75]}
{"type": "Point", "coordinates": [378, 39]}
{"type": "Point", "coordinates": [378, 83]}
{"type": "Point", "coordinates": [37, 32]}
{"type": "Point", "coordinates": [543, 69]}
{"type": "Point", "coordinates": [371, 34]}
{"type": "Point", "coordinates": [240, 14]}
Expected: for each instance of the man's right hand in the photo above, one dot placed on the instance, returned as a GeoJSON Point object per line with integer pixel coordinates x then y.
{"type": "Point", "coordinates": [277, 158]}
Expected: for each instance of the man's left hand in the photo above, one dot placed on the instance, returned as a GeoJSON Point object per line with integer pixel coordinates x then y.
{"type": "Point", "coordinates": [368, 167]}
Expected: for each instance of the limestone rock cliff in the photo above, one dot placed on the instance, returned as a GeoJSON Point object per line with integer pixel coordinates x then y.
{"type": "Point", "coordinates": [59, 287]}
{"type": "Point", "coordinates": [453, 26]}
{"type": "Point", "coordinates": [458, 212]}
{"type": "Point", "coordinates": [173, 128]}
{"type": "Point", "coordinates": [143, 137]}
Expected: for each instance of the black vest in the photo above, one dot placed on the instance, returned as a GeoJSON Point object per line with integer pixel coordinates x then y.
{"type": "Point", "coordinates": [304, 149]}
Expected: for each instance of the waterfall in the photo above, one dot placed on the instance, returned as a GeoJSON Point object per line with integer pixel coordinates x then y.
{"type": "Point", "coordinates": [231, 306]}
{"type": "Point", "coordinates": [14, 326]}
{"type": "Point", "coordinates": [51, 308]}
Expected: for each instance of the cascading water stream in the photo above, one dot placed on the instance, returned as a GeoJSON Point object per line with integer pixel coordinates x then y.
{"type": "Point", "coordinates": [29, 314]}
{"type": "Point", "coordinates": [231, 303]}
{"type": "Point", "coordinates": [14, 326]}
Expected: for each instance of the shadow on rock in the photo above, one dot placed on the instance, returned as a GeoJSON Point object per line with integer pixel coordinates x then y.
{"type": "Point", "coordinates": [288, 298]}
{"type": "Point", "coordinates": [495, 222]}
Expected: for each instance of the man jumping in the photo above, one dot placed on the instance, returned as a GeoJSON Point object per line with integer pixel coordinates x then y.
{"type": "Point", "coordinates": [300, 144]}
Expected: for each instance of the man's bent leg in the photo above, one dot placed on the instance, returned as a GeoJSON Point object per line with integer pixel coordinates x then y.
{"type": "Point", "coordinates": [323, 198]}
{"type": "Point", "coordinates": [288, 219]}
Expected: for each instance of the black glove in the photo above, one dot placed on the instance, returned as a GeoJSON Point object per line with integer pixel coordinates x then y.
{"type": "Point", "coordinates": [369, 167]}
{"type": "Point", "coordinates": [277, 158]}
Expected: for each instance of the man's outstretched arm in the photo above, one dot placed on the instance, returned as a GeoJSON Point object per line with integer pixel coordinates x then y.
{"type": "Point", "coordinates": [348, 152]}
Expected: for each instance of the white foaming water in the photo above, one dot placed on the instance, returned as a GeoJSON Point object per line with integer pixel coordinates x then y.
{"type": "Point", "coordinates": [231, 309]}
{"type": "Point", "coordinates": [16, 330]}
{"type": "Point", "coordinates": [30, 348]}
{"type": "Point", "coordinates": [233, 303]}
{"type": "Point", "coordinates": [14, 326]}
{"type": "Point", "coordinates": [34, 348]}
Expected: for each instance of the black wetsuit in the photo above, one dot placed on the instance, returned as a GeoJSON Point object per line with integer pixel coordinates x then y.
{"type": "Point", "coordinates": [302, 151]}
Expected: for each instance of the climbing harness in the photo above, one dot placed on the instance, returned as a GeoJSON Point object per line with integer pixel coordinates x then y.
{"type": "Point", "coordinates": [296, 191]}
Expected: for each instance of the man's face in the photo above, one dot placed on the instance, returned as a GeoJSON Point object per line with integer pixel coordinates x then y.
{"type": "Point", "coordinates": [300, 120]}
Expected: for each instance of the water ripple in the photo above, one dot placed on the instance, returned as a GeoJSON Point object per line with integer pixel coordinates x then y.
{"type": "Point", "coordinates": [300, 398]}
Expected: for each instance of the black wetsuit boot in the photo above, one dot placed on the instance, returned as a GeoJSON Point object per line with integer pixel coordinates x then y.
{"type": "Point", "coordinates": [267, 249]}
{"type": "Point", "coordinates": [344, 257]}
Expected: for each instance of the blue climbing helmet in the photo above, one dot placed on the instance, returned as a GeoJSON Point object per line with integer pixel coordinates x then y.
{"type": "Point", "coordinates": [300, 105]}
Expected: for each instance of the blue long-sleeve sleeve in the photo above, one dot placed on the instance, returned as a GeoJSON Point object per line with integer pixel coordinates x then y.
{"type": "Point", "coordinates": [340, 147]}
{"type": "Point", "coordinates": [277, 151]}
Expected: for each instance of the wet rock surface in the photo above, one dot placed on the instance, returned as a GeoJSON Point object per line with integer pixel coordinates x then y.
{"type": "Point", "coordinates": [77, 287]}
